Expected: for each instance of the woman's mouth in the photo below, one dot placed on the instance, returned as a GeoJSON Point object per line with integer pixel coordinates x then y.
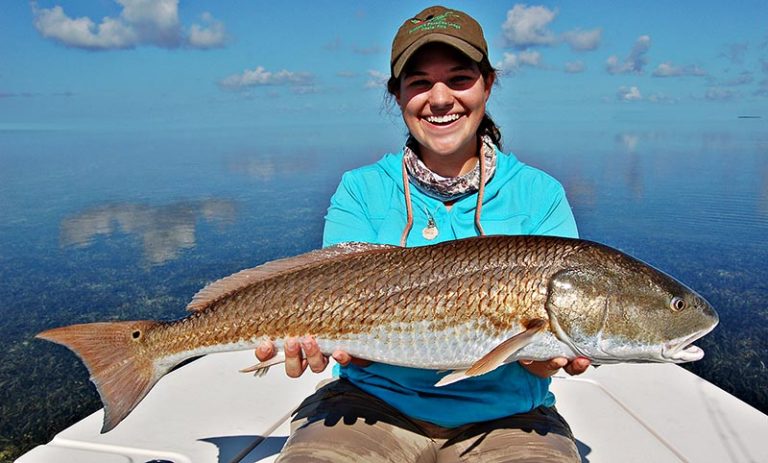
{"type": "Point", "coordinates": [442, 120]}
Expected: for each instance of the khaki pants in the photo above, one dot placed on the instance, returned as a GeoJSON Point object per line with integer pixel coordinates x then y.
{"type": "Point", "coordinates": [341, 423]}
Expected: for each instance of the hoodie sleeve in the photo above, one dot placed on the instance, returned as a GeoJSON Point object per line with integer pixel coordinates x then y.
{"type": "Point", "coordinates": [347, 219]}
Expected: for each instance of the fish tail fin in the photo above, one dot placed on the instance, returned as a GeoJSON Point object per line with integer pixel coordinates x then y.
{"type": "Point", "coordinates": [118, 360]}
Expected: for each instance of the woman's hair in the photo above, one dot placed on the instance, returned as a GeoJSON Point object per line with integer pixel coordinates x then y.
{"type": "Point", "coordinates": [487, 126]}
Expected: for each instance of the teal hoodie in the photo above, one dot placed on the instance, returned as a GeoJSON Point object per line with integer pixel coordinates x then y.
{"type": "Point", "coordinates": [369, 206]}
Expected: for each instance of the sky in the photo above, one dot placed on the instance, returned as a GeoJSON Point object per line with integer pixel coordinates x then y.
{"type": "Point", "coordinates": [210, 64]}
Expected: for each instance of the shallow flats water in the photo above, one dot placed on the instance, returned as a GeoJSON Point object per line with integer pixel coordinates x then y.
{"type": "Point", "coordinates": [130, 225]}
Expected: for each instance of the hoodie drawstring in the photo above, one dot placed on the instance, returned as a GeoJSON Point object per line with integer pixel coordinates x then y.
{"type": "Point", "coordinates": [409, 207]}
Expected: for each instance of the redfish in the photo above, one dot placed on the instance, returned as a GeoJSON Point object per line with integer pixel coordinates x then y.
{"type": "Point", "coordinates": [469, 306]}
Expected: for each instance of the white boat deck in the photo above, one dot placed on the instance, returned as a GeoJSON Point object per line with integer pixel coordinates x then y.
{"type": "Point", "coordinates": [208, 412]}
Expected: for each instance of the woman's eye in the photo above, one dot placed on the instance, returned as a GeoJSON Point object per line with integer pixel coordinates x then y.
{"type": "Point", "coordinates": [419, 83]}
{"type": "Point", "coordinates": [462, 81]}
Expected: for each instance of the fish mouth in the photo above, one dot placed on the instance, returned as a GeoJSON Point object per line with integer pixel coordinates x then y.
{"type": "Point", "coordinates": [690, 353]}
{"type": "Point", "coordinates": [682, 350]}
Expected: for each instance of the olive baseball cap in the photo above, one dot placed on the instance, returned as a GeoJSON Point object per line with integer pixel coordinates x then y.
{"type": "Point", "coordinates": [437, 24]}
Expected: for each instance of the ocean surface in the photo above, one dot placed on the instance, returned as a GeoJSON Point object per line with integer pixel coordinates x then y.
{"type": "Point", "coordinates": [124, 224]}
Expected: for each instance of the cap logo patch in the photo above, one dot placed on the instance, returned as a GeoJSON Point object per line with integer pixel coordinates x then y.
{"type": "Point", "coordinates": [442, 21]}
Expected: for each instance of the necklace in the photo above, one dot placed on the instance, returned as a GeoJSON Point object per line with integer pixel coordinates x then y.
{"type": "Point", "coordinates": [430, 232]}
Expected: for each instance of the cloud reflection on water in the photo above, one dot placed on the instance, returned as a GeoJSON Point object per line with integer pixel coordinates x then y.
{"type": "Point", "coordinates": [164, 230]}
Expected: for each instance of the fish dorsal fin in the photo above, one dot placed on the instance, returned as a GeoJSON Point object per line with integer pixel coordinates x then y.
{"type": "Point", "coordinates": [229, 285]}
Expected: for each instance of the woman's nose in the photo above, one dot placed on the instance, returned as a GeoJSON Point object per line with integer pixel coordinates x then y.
{"type": "Point", "coordinates": [440, 96]}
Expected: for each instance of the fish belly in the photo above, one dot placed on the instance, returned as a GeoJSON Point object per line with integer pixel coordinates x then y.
{"type": "Point", "coordinates": [416, 345]}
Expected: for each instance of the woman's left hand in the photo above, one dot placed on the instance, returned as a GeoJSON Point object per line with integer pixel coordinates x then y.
{"type": "Point", "coordinates": [547, 368]}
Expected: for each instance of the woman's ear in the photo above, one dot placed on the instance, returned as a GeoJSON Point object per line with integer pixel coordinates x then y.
{"type": "Point", "coordinates": [489, 85]}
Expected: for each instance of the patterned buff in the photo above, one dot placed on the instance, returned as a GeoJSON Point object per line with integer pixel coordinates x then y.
{"type": "Point", "coordinates": [448, 189]}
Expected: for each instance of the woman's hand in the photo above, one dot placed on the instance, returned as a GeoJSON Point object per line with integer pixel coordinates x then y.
{"type": "Point", "coordinates": [547, 368]}
{"type": "Point", "coordinates": [304, 352]}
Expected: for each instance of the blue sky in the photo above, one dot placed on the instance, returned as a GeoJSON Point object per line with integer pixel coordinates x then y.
{"type": "Point", "coordinates": [206, 63]}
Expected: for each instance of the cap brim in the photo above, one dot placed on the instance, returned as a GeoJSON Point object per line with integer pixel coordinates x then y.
{"type": "Point", "coordinates": [472, 52]}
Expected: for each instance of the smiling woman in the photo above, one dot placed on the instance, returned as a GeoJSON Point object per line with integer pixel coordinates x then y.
{"type": "Point", "coordinates": [450, 181]}
{"type": "Point", "coordinates": [442, 95]}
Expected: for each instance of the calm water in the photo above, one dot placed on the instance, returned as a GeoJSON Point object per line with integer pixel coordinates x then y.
{"type": "Point", "coordinates": [126, 225]}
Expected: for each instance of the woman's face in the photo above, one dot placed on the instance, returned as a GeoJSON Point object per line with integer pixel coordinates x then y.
{"type": "Point", "coordinates": [442, 96]}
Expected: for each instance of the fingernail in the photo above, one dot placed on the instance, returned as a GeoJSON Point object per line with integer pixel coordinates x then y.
{"type": "Point", "coordinates": [291, 344]}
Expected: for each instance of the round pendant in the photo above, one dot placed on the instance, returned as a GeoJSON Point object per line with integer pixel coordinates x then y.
{"type": "Point", "coordinates": [430, 232]}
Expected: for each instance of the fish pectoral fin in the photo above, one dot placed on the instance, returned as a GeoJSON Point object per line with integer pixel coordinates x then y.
{"type": "Point", "coordinates": [452, 377]}
{"type": "Point", "coordinates": [498, 355]}
{"type": "Point", "coordinates": [261, 368]}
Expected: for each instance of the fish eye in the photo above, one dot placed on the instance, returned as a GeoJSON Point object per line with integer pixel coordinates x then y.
{"type": "Point", "coordinates": [677, 304]}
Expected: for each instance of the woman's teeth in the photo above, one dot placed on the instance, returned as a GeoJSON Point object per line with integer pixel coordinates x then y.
{"type": "Point", "coordinates": [442, 119]}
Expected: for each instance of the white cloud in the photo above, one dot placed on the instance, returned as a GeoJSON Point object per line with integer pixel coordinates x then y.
{"type": "Point", "coordinates": [574, 67]}
{"type": "Point", "coordinates": [372, 50]}
{"type": "Point", "coordinates": [719, 94]}
{"type": "Point", "coordinates": [377, 79]}
{"type": "Point", "coordinates": [305, 89]}
{"type": "Point", "coordinates": [512, 62]}
{"type": "Point", "coordinates": [261, 77]}
{"type": "Point", "coordinates": [583, 40]}
{"type": "Point", "coordinates": [762, 89]}
{"type": "Point", "coordinates": [528, 26]}
{"type": "Point", "coordinates": [212, 36]}
{"type": "Point", "coordinates": [333, 45]}
{"type": "Point", "coordinates": [745, 77]}
{"type": "Point", "coordinates": [629, 94]}
{"type": "Point", "coordinates": [670, 70]}
{"type": "Point", "coordinates": [141, 22]}
{"type": "Point", "coordinates": [635, 62]}
{"type": "Point", "coordinates": [735, 52]}
{"type": "Point", "coordinates": [662, 98]}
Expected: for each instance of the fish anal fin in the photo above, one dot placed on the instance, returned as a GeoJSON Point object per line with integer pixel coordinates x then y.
{"type": "Point", "coordinates": [261, 368]}
{"type": "Point", "coordinates": [231, 284]}
{"type": "Point", "coordinates": [122, 371]}
{"type": "Point", "coordinates": [498, 355]}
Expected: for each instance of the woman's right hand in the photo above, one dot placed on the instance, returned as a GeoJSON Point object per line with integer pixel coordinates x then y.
{"type": "Point", "coordinates": [304, 352]}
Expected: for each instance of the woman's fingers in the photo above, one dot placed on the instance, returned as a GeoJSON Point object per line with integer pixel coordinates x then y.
{"type": "Point", "coordinates": [343, 358]}
{"type": "Point", "coordinates": [265, 351]}
{"type": "Point", "coordinates": [314, 358]}
{"type": "Point", "coordinates": [547, 368]}
{"type": "Point", "coordinates": [294, 360]}
{"type": "Point", "coordinates": [577, 366]}
{"type": "Point", "coordinates": [304, 352]}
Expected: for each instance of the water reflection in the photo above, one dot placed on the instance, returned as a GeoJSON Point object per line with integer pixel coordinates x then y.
{"type": "Point", "coordinates": [633, 173]}
{"type": "Point", "coordinates": [164, 230]}
{"type": "Point", "coordinates": [268, 165]}
{"type": "Point", "coordinates": [628, 140]}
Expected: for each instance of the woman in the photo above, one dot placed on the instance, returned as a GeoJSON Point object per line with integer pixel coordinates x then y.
{"type": "Point", "coordinates": [449, 182]}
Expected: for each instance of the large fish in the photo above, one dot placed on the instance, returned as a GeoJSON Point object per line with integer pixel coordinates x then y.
{"type": "Point", "coordinates": [470, 306]}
